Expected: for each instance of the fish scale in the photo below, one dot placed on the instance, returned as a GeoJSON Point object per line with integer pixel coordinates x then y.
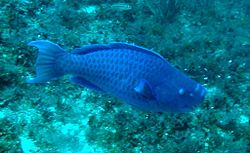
{"type": "Point", "coordinates": [136, 75]}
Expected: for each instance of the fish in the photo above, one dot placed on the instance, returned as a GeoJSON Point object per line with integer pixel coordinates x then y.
{"type": "Point", "coordinates": [138, 76]}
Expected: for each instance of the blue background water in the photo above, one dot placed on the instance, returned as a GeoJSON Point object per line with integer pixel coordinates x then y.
{"type": "Point", "coordinates": [207, 39]}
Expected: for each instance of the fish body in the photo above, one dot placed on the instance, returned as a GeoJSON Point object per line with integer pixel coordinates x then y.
{"type": "Point", "coordinates": [136, 75]}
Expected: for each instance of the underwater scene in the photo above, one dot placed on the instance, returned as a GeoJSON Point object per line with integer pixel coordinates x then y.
{"type": "Point", "coordinates": [124, 76]}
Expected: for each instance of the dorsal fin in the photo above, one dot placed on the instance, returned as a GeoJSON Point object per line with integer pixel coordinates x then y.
{"type": "Point", "coordinates": [115, 45]}
{"type": "Point", "coordinates": [91, 48]}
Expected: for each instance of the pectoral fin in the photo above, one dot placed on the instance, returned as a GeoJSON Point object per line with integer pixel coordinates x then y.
{"type": "Point", "coordinates": [144, 89]}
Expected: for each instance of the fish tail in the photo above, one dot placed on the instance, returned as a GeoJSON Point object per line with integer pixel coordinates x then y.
{"type": "Point", "coordinates": [47, 61]}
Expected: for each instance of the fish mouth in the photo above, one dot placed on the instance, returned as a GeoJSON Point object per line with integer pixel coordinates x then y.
{"type": "Point", "coordinates": [203, 94]}
{"type": "Point", "coordinates": [199, 89]}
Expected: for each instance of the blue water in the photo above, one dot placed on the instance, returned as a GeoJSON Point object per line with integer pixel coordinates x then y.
{"type": "Point", "coordinates": [209, 40]}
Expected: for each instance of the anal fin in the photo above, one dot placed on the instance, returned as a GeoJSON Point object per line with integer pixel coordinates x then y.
{"type": "Point", "coordinates": [84, 83]}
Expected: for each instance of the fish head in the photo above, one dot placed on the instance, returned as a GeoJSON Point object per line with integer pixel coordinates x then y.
{"type": "Point", "coordinates": [182, 97]}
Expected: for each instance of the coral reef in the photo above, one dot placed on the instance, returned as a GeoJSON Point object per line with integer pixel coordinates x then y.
{"type": "Point", "coordinates": [207, 39]}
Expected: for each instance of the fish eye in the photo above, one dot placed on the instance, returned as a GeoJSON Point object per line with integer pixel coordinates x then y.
{"type": "Point", "coordinates": [181, 91]}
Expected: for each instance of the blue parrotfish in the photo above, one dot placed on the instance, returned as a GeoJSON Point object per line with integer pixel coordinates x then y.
{"type": "Point", "coordinates": [136, 75]}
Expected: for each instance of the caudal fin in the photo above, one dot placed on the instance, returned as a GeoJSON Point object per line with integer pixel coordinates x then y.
{"type": "Point", "coordinates": [46, 63]}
